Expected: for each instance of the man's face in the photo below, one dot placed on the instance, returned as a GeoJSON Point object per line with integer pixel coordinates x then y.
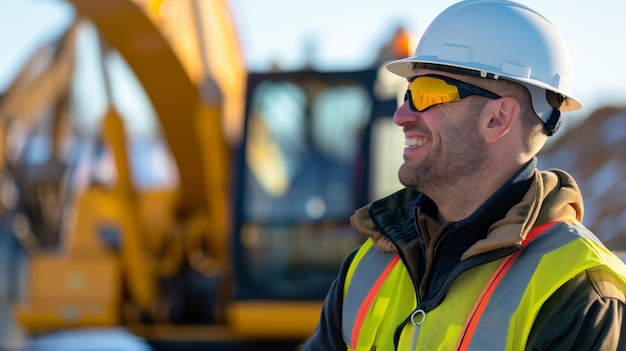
{"type": "Point", "coordinates": [442, 144]}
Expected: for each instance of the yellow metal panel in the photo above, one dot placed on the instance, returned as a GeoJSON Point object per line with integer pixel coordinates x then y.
{"type": "Point", "coordinates": [95, 277]}
{"type": "Point", "coordinates": [273, 319]}
{"type": "Point", "coordinates": [71, 291]}
{"type": "Point", "coordinates": [55, 314]}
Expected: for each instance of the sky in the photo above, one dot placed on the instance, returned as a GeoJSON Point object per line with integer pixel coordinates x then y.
{"type": "Point", "coordinates": [340, 34]}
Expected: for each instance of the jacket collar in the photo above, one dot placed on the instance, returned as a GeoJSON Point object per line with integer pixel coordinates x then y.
{"type": "Point", "coordinates": [529, 198]}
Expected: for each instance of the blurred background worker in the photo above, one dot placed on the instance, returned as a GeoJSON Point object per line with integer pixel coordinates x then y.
{"type": "Point", "coordinates": [481, 250]}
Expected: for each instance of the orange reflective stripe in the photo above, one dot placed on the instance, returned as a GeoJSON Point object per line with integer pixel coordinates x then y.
{"type": "Point", "coordinates": [481, 303]}
{"type": "Point", "coordinates": [371, 295]}
{"type": "Point", "coordinates": [479, 307]}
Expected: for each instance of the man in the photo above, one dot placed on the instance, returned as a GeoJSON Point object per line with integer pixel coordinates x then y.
{"type": "Point", "coordinates": [480, 251]}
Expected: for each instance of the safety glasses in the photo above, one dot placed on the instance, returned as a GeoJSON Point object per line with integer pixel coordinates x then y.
{"type": "Point", "coordinates": [428, 90]}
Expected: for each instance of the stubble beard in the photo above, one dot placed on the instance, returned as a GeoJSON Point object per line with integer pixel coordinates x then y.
{"type": "Point", "coordinates": [464, 156]}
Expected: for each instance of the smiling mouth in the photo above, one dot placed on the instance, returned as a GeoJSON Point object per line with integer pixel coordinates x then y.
{"type": "Point", "coordinates": [414, 142]}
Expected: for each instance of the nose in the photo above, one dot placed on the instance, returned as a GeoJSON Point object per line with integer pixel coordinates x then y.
{"type": "Point", "coordinates": [404, 115]}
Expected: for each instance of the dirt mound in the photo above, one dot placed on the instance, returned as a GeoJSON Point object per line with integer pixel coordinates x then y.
{"type": "Point", "coordinates": [594, 152]}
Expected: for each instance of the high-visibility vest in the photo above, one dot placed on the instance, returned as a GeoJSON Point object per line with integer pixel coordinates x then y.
{"type": "Point", "coordinates": [492, 306]}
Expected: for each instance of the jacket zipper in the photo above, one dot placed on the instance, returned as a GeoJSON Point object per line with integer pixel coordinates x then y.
{"type": "Point", "coordinates": [417, 318]}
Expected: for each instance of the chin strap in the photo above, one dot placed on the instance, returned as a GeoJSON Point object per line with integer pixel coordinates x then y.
{"type": "Point", "coordinates": [554, 122]}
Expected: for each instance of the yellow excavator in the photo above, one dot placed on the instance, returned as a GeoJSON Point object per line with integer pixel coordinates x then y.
{"type": "Point", "coordinates": [224, 221]}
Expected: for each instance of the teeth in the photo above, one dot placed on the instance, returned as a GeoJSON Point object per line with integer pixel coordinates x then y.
{"type": "Point", "coordinates": [414, 142]}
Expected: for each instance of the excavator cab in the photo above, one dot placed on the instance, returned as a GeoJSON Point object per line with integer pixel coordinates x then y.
{"type": "Point", "coordinates": [303, 170]}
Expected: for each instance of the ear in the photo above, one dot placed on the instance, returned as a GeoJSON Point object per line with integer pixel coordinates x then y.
{"type": "Point", "coordinates": [503, 113]}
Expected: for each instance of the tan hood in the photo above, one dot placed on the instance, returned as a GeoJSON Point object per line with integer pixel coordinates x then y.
{"type": "Point", "coordinates": [553, 195]}
{"type": "Point", "coordinates": [363, 224]}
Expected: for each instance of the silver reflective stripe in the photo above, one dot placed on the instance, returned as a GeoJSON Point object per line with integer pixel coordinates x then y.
{"type": "Point", "coordinates": [492, 330]}
{"type": "Point", "coordinates": [367, 272]}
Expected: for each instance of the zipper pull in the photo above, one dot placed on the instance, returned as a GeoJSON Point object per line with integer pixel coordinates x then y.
{"type": "Point", "coordinates": [417, 318]}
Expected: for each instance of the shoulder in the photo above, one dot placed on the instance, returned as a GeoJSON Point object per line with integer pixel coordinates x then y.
{"type": "Point", "coordinates": [606, 284]}
{"type": "Point", "coordinates": [591, 286]}
{"type": "Point", "coordinates": [586, 310]}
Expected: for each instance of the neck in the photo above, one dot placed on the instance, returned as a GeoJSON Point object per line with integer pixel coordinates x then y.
{"type": "Point", "coordinates": [460, 199]}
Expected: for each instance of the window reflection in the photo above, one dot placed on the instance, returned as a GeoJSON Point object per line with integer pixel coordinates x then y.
{"type": "Point", "coordinates": [302, 153]}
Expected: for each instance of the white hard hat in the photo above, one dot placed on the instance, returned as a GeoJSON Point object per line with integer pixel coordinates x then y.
{"type": "Point", "coordinates": [498, 39]}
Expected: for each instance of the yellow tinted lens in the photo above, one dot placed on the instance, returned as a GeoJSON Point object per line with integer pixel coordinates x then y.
{"type": "Point", "coordinates": [429, 91]}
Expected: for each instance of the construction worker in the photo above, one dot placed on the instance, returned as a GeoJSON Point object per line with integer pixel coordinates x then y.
{"type": "Point", "coordinates": [481, 250]}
